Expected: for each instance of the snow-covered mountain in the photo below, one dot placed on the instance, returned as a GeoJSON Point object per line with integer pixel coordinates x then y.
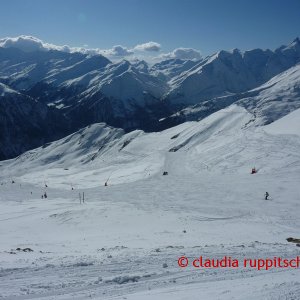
{"type": "Point", "coordinates": [84, 89]}
{"type": "Point", "coordinates": [118, 94]}
{"type": "Point", "coordinates": [99, 146]}
{"type": "Point", "coordinates": [276, 98]}
{"type": "Point", "coordinates": [231, 72]}
{"type": "Point", "coordinates": [26, 123]}
{"type": "Point", "coordinates": [120, 81]}
{"type": "Point", "coordinates": [22, 70]}
{"type": "Point", "coordinates": [171, 68]}
{"type": "Point", "coordinates": [268, 102]}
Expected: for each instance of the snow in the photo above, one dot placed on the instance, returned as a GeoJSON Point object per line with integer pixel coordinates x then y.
{"type": "Point", "coordinates": [125, 240]}
{"type": "Point", "coordinates": [243, 289]}
{"type": "Point", "coordinates": [289, 124]}
{"type": "Point", "coordinates": [276, 98]}
{"type": "Point", "coordinates": [123, 81]}
{"type": "Point", "coordinates": [229, 72]}
{"type": "Point", "coordinates": [4, 90]}
{"type": "Point", "coordinates": [171, 68]}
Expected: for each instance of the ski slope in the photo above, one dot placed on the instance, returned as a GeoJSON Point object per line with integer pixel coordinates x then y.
{"type": "Point", "coordinates": [125, 240]}
{"type": "Point", "coordinates": [287, 125]}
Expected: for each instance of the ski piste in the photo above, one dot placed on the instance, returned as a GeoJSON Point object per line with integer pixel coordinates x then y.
{"type": "Point", "coordinates": [126, 238]}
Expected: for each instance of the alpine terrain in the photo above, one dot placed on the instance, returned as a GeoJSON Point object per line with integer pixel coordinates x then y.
{"type": "Point", "coordinates": [80, 89]}
{"type": "Point", "coordinates": [117, 177]}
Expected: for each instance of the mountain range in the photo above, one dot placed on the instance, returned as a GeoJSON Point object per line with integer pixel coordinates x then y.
{"type": "Point", "coordinates": [46, 95]}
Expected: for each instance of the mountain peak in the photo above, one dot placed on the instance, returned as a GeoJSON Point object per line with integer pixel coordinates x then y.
{"type": "Point", "coordinates": [295, 44]}
{"type": "Point", "coordinates": [296, 40]}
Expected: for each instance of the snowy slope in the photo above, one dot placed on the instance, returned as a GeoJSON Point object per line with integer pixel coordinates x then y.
{"type": "Point", "coordinates": [289, 124]}
{"type": "Point", "coordinates": [276, 98]}
{"type": "Point", "coordinates": [87, 65]}
{"type": "Point", "coordinates": [5, 90]}
{"type": "Point", "coordinates": [216, 140]}
{"type": "Point", "coordinates": [141, 65]}
{"type": "Point", "coordinates": [270, 101]}
{"type": "Point", "coordinates": [124, 241]}
{"type": "Point", "coordinates": [123, 81]}
{"type": "Point", "coordinates": [171, 68]}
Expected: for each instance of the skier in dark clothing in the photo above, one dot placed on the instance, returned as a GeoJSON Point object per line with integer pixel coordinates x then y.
{"type": "Point", "coordinates": [266, 195]}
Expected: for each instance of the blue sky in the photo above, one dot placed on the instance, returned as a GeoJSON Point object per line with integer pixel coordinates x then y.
{"type": "Point", "coordinates": [205, 25]}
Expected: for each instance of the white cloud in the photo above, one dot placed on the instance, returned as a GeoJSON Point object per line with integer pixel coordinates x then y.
{"type": "Point", "coordinates": [118, 51]}
{"type": "Point", "coordinates": [26, 43]}
{"type": "Point", "coordinates": [150, 46]}
{"type": "Point", "coordinates": [147, 51]}
{"type": "Point", "coordinates": [183, 53]}
{"type": "Point", "coordinates": [30, 44]}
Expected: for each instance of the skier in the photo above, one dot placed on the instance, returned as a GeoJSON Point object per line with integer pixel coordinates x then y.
{"type": "Point", "coordinates": [266, 195]}
{"type": "Point", "coordinates": [45, 195]}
